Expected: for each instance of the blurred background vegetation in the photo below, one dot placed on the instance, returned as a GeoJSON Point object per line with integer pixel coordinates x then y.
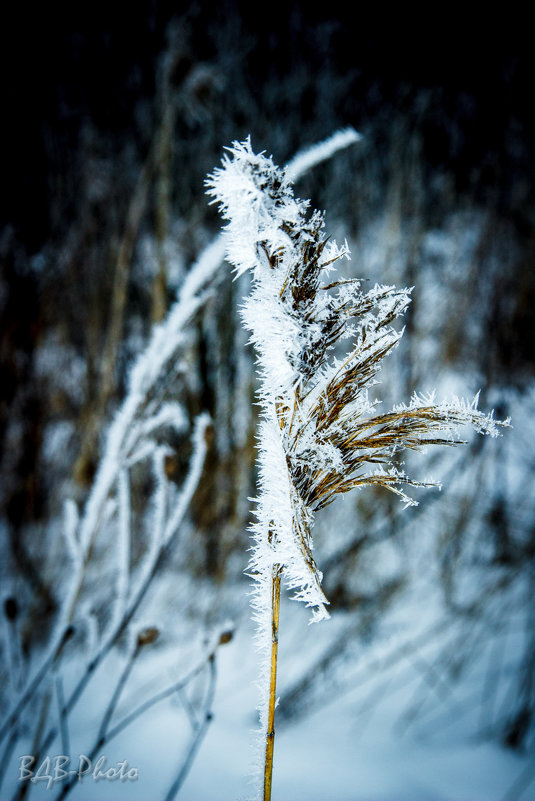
{"type": "Point", "coordinates": [112, 117]}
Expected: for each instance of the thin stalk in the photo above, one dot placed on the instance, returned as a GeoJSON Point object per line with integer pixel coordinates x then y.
{"type": "Point", "coordinates": [24, 787]}
{"type": "Point", "coordinates": [63, 721]}
{"type": "Point", "coordinates": [125, 675]}
{"type": "Point", "coordinates": [41, 674]}
{"type": "Point", "coordinates": [270, 734]}
{"type": "Point", "coordinates": [198, 733]}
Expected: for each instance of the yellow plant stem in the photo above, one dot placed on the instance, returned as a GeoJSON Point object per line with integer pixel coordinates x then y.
{"type": "Point", "coordinates": [270, 734]}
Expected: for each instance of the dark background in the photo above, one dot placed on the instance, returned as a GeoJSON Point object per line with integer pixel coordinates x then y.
{"type": "Point", "coordinates": [464, 83]}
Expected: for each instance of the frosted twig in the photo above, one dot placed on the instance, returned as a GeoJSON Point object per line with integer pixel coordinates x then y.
{"type": "Point", "coordinates": [158, 557]}
{"type": "Point", "coordinates": [114, 700]}
{"type": "Point", "coordinates": [310, 157]}
{"type": "Point", "coordinates": [63, 722]}
{"type": "Point", "coordinates": [110, 709]}
{"type": "Point", "coordinates": [106, 734]}
{"type": "Point", "coordinates": [34, 683]}
{"type": "Point", "coordinates": [159, 511]}
{"type": "Point", "coordinates": [192, 479]}
{"type": "Point", "coordinates": [155, 699]}
{"type": "Point", "coordinates": [122, 442]}
{"type": "Point", "coordinates": [70, 526]}
{"type": "Point", "coordinates": [199, 732]}
{"type": "Point", "coordinates": [123, 544]}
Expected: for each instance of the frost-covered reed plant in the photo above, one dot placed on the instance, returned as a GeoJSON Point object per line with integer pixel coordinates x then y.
{"type": "Point", "coordinates": [320, 432]}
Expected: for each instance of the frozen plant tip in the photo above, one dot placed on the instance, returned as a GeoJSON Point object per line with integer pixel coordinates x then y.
{"type": "Point", "coordinates": [320, 433]}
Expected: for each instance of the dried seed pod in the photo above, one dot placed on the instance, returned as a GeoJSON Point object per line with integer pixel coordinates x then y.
{"type": "Point", "coordinates": [147, 636]}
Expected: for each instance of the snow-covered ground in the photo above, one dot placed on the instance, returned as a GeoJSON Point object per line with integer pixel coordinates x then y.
{"type": "Point", "coordinates": [361, 746]}
{"type": "Point", "coordinates": [339, 754]}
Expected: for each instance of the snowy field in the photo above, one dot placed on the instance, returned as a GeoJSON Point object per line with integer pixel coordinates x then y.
{"type": "Point", "coordinates": [381, 737]}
